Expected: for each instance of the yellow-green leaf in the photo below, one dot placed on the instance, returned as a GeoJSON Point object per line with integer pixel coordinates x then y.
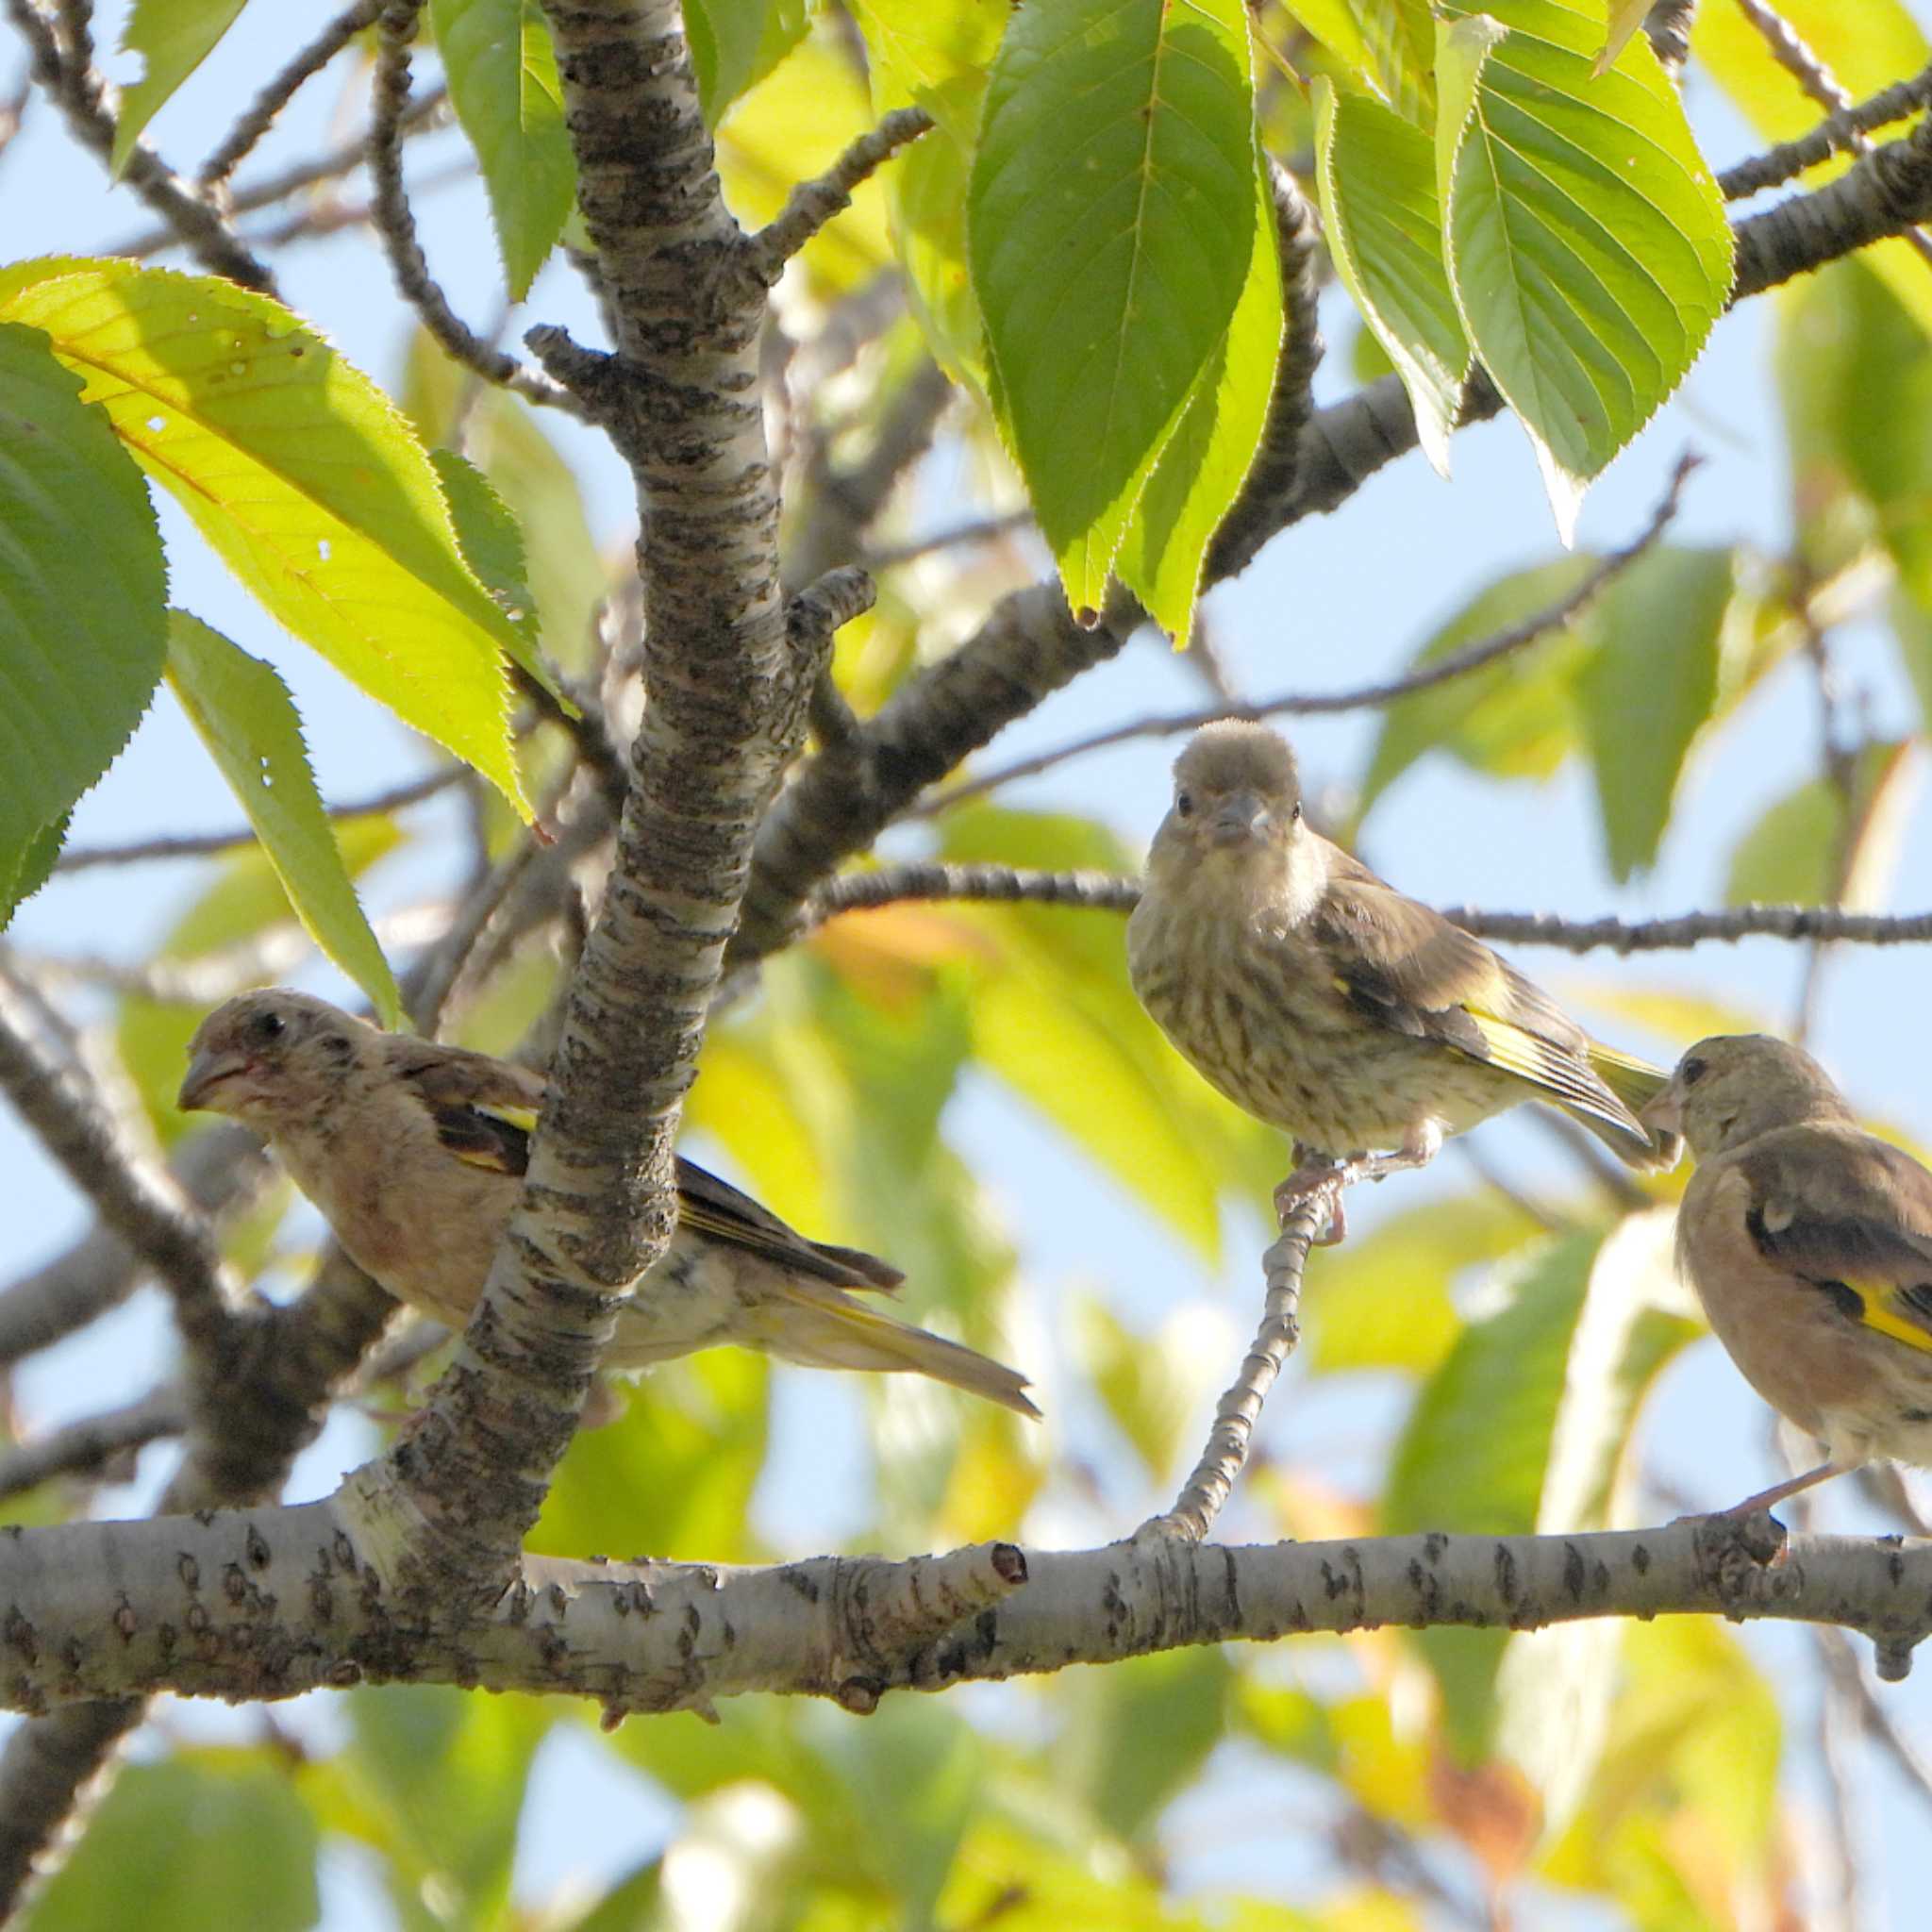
{"type": "Point", "coordinates": [246, 718]}
{"type": "Point", "coordinates": [174, 38]}
{"type": "Point", "coordinates": [301, 474]}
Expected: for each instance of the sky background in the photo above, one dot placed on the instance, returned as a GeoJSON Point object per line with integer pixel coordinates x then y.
{"type": "Point", "coordinates": [1332, 604]}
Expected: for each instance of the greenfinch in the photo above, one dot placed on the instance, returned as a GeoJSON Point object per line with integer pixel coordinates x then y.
{"type": "Point", "coordinates": [1809, 1243]}
{"type": "Point", "coordinates": [1321, 1000]}
{"type": "Point", "coordinates": [415, 1154]}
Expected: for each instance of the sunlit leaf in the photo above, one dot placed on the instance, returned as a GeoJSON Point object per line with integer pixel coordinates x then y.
{"type": "Point", "coordinates": [245, 715]}
{"type": "Point", "coordinates": [300, 473]}
{"type": "Point", "coordinates": [82, 595]}
{"type": "Point", "coordinates": [1805, 851]}
{"type": "Point", "coordinates": [174, 38]}
{"type": "Point", "coordinates": [504, 85]}
{"type": "Point", "coordinates": [1106, 287]}
{"type": "Point", "coordinates": [1586, 239]}
{"type": "Point", "coordinates": [735, 43]}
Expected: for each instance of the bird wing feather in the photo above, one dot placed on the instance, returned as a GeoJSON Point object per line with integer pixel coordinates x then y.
{"type": "Point", "coordinates": [486, 1110]}
{"type": "Point", "coordinates": [1403, 963]}
{"type": "Point", "coordinates": [1843, 1211]}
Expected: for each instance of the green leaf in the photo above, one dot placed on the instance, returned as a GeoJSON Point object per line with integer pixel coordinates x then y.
{"type": "Point", "coordinates": [1516, 719]}
{"type": "Point", "coordinates": [504, 85]}
{"type": "Point", "coordinates": [1141, 1381]}
{"type": "Point", "coordinates": [673, 1474]}
{"type": "Point", "coordinates": [1803, 851]}
{"type": "Point", "coordinates": [82, 590]}
{"type": "Point", "coordinates": [735, 43]}
{"type": "Point", "coordinates": [1137, 1732]}
{"type": "Point", "coordinates": [1208, 458]}
{"type": "Point", "coordinates": [1587, 240]}
{"type": "Point", "coordinates": [434, 1779]}
{"type": "Point", "coordinates": [204, 1837]}
{"type": "Point", "coordinates": [174, 38]}
{"type": "Point", "coordinates": [35, 866]}
{"type": "Point", "coordinates": [932, 54]}
{"type": "Point", "coordinates": [1649, 686]}
{"type": "Point", "coordinates": [1525, 1428]}
{"type": "Point", "coordinates": [1384, 1301]}
{"type": "Point", "coordinates": [1376, 174]}
{"type": "Point", "coordinates": [492, 546]}
{"type": "Point", "coordinates": [1106, 286]}
{"type": "Point", "coordinates": [301, 474]}
{"type": "Point", "coordinates": [1400, 36]}
{"type": "Point", "coordinates": [245, 715]}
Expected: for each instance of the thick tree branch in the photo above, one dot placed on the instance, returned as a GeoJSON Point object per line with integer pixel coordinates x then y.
{"type": "Point", "coordinates": [269, 1603]}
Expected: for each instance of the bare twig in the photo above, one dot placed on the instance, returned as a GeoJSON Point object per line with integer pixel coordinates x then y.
{"type": "Point", "coordinates": [1471, 657]}
{"type": "Point", "coordinates": [91, 1446]}
{"type": "Point", "coordinates": [1837, 135]}
{"type": "Point", "coordinates": [396, 225]}
{"type": "Point", "coordinates": [145, 1208]}
{"type": "Point", "coordinates": [982, 530]}
{"type": "Point", "coordinates": [88, 101]}
{"type": "Point", "coordinates": [813, 204]}
{"type": "Point", "coordinates": [262, 111]}
{"type": "Point", "coordinates": [1792, 52]}
{"type": "Point", "coordinates": [1235, 1416]}
{"type": "Point", "coordinates": [14, 110]}
{"type": "Point", "coordinates": [857, 891]}
{"type": "Point", "coordinates": [204, 844]}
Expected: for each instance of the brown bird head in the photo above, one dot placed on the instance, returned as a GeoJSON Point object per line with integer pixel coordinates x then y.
{"type": "Point", "coordinates": [1733, 1087]}
{"type": "Point", "coordinates": [1236, 792]}
{"type": "Point", "coordinates": [269, 1056]}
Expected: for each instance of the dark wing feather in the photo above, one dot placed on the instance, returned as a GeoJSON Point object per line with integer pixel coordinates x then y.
{"type": "Point", "coordinates": [1841, 1209]}
{"type": "Point", "coordinates": [1405, 965]}
{"type": "Point", "coordinates": [484, 1111]}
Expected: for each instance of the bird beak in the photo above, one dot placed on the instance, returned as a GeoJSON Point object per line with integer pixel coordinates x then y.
{"type": "Point", "coordinates": [208, 1072]}
{"type": "Point", "coordinates": [1664, 1114]}
{"type": "Point", "coordinates": [1239, 817]}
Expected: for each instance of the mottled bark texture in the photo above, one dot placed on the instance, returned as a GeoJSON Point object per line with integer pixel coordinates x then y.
{"type": "Point", "coordinates": [267, 1604]}
{"type": "Point", "coordinates": [726, 690]}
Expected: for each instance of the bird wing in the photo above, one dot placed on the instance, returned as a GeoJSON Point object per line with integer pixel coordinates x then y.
{"type": "Point", "coordinates": [1405, 965]}
{"type": "Point", "coordinates": [486, 1110]}
{"type": "Point", "coordinates": [1848, 1213]}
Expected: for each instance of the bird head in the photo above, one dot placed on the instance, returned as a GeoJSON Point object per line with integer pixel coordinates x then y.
{"type": "Point", "coordinates": [1733, 1087]}
{"type": "Point", "coordinates": [268, 1057]}
{"type": "Point", "coordinates": [1237, 791]}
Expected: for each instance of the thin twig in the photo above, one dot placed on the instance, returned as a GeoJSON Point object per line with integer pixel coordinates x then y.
{"type": "Point", "coordinates": [143, 1206]}
{"type": "Point", "coordinates": [813, 204]}
{"type": "Point", "coordinates": [1837, 135]}
{"type": "Point", "coordinates": [90, 1446]}
{"type": "Point", "coordinates": [1471, 657]}
{"type": "Point", "coordinates": [426, 112]}
{"type": "Point", "coordinates": [1792, 52]}
{"type": "Point", "coordinates": [14, 110]}
{"type": "Point", "coordinates": [88, 101]}
{"type": "Point", "coordinates": [1235, 1416]}
{"type": "Point", "coordinates": [860, 891]}
{"type": "Point", "coordinates": [262, 111]}
{"type": "Point", "coordinates": [396, 225]}
{"type": "Point", "coordinates": [982, 530]}
{"type": "Point", "coordinates": [204, 844]}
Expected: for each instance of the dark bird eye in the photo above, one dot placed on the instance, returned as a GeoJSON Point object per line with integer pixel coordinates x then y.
{"type": "Point", "coordinates": [1691, 1071]}
{"type": "Point", "coordinates": [269, 1026]}
{"type": "Point", "coordinates": [1183, 804]}
{"type": "Point", "coordinates": [1296, 816]}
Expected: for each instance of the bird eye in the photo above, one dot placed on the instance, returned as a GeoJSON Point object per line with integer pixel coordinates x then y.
{"type": "Point", "coordinates": [1183, 805]}
{"type": "Point", "coordinates": [1296, 816]}
{"type": "Point", "coordinates": [269, 1026]}
{"type": "Point", "coordinates": [1691, 1071]}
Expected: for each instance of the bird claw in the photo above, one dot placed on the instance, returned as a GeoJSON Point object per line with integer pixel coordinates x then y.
{"type": "Point", "coordinates": [1311, 1178]}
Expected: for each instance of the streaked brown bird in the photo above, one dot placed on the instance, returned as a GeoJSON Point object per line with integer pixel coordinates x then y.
{"type": "Point", "coordinates": [1322, 1000]}
{"type": "Point", "coordinates": [1809, 1243]}
{"type": "Point", "coordinates": [415, 1154]}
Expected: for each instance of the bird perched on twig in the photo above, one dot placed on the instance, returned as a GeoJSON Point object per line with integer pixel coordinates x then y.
{"type": "Point", "coordinates": [1319, 999]}
{"type": "Point", "coordinates": [415, 1154]}
{"type": "Point", "coordinates": [1809, 1243]}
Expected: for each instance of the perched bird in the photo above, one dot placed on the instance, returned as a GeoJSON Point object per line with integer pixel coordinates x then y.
{"type": "Point", "coordinates": [1321, 1000]}
{"type": "Point", "coordinates": [415, 1153]}
{"type": "Point", "coordinates": [1809, 1243]}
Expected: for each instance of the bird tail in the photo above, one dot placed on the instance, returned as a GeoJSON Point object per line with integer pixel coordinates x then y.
{"type": "Point", "coordinates": [1636, 1083]}
{"type": "Point", "coordinates": [824, 1330]}
{"type": "Point", "coordinates": [866, 1271]}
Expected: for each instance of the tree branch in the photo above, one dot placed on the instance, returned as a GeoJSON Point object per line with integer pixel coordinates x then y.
{"type": "Point", "coordinates": [812, 204]}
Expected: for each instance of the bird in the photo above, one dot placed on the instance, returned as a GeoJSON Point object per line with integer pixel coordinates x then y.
{"type": "Point", "coordinates": [415, 1154]}
{"type": "Point", "coordinates": [1322, 1001]}
{"type": "Point", "coordinates": [1809, 1243]}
